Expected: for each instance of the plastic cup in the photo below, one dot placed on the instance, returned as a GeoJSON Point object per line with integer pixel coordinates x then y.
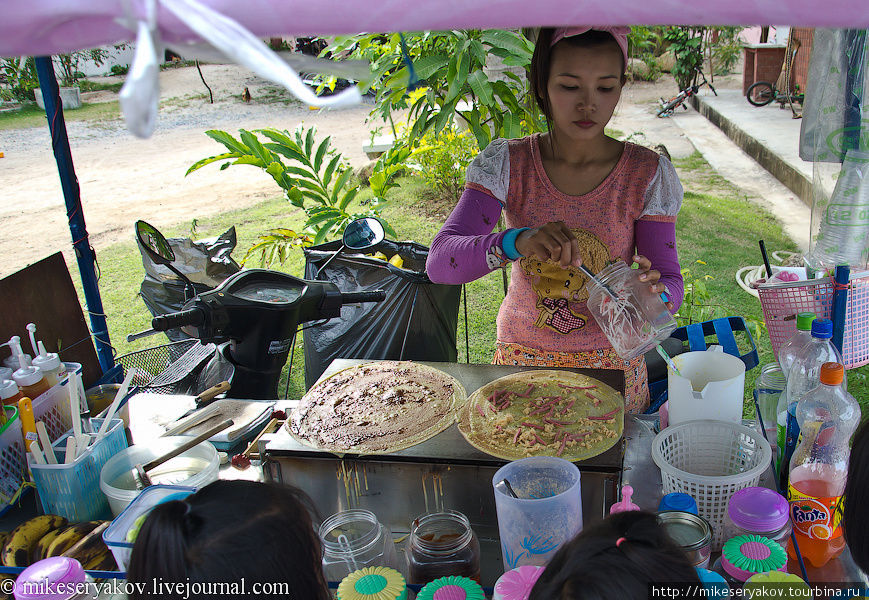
{"type": "Point", "coordinates": [546, 513]}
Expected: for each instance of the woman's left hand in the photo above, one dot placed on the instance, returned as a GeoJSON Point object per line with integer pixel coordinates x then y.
{"type": "Point", "coordinates": [651, 276]}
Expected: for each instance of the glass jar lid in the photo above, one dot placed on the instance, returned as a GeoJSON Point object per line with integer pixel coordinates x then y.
{"type": "Point", "coordinates": [758, 509]}
{"type": "Point", "coordinates": [687, 530]}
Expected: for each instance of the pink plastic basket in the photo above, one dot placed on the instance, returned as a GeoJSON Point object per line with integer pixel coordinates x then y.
{"type": "Point", "coordinates": [781, 303]}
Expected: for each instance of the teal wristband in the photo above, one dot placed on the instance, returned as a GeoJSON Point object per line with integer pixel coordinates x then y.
{"type": "Point", "coordinates": [508, 243]}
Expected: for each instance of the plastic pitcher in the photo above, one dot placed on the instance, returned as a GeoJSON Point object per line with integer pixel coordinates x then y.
{"type": "Point", "coordinates": [710, 386]}
{"type": "Point", "coordinates": [546, 513]}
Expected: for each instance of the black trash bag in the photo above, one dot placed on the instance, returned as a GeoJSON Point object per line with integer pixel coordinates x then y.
{"type": "Point", "coordinates": [418, 315]}
{"type": "Point", "coordinates": [205, 262]}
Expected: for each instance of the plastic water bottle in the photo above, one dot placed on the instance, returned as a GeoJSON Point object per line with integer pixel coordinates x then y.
{"type": "Point", "coordinates": [828, 417]}
{"type": "Point", "coordinates": [804, 375]}
{"type": "Point", "coordinates": [791, 348]}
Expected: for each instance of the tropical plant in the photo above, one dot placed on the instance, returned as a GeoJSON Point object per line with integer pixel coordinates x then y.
{"type": "Point", "coordinates": [317, 180]}
{"type": "Point", "coordinates": [69, 64]}
{"type": "Point", "coordinates": [687, 45]}
{"type": "Point", "coordinates": [450, 64]}
{"type": "Point", "coordinates": [646, 41]}
{"type": "Point", "coordinates": [443, 160]}
{"type": "Point", "coordinates": [725, 48]}
{"type": "Point", "coordinates": [20, 75]}
{"type": "Point", "coordinates": [697, 303]}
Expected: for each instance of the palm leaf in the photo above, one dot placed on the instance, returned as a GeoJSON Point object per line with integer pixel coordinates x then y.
{"type": "Point", "coordinates": [227, 140]}
{"type": "Point", "coordinates": [207, 161]}
{"type": "Point", "coordinates": [321, 152]}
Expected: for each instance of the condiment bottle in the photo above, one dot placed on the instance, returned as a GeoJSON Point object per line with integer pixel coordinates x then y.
{"type": "Point", "coordinates": [9, 392]}
{"type": "Point", "coordinates": [48, 362]}
{"type": "Point", "coordinates": [30, 379]}
{"type": "Point", "coordinates": [442, 544]}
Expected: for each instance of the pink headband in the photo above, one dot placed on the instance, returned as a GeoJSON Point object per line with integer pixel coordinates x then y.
{"type": "Point", "coordinates": [619, 32]}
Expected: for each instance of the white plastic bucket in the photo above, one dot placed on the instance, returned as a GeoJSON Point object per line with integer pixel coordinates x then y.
{"type": "Point", "coordinates": [711, 386]}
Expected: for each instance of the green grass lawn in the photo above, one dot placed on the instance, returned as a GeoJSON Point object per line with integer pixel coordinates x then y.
{"type": "Point", "coordinates": [33, 116]}
{"type": "Point", "coordinates": [716, 228]}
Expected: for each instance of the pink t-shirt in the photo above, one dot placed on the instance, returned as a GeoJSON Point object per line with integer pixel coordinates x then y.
{"type": "Point", "coordinates": [545, 306]}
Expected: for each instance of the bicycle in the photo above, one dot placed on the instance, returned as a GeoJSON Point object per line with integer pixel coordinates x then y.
{"type": "Point", "coordinates": [762, 93]}
{"type": "Point", "coordinates": [668, 107]}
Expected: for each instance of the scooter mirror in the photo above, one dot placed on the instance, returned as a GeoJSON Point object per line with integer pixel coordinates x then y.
{"type": "Point", "coordinates": [364, 233]}
{"type": "Point", "coordinates": [154, 243]}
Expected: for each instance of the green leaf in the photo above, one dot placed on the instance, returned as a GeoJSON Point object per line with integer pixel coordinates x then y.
{"type": "Point", "coordinates": [276, 169]}
{"type": "Point", "coordinates": [309, 142]}
{"type": "Point", "coordinates": [256, 147]}
{"type": "Point", "coordinates": [294, 195]}
{"type": "Point", "coordinates": [323, 215]}
{"type": "Point", "coordinates": [480, 86]}
{"type": "Point", "coordinates": [340, 183]}
{"type": "Point", "coordinates": [301, 172]}
{"type": "Point", "coordinates": [330, 169]}
{"type": "Point", "coordinates": [290, 152]}
{"type": "Point", "coordinates": [444, 116]}
{"type": "Point", "coordinates": [348, 198]}
{"type": "Point", "coordinates": [228, 141]}
{"type": "Point", "coordinates": [250, 160]}
{"type": "Point", "coordinates": [281, 137]}
{"type": "Point", "coordinates": [457, 84]}
{"type": "Point", "coordinates": [324, 231]}
{"type": "Point", "coordinates": [207, 161]}
{"type": "Point", "coordinates": [321, 152]}
{"type": "Point", "coordinates": [509, 41]}
{"type": "Point", "coordinates": [318, 192]}
{"type": "Point", "coordinates": [478, 52]}
{"type": "Point", "coordinates": [427, 66]}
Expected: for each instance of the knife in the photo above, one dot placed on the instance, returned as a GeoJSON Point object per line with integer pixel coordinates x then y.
{"type": "Point", "coordinates": [207, 397]}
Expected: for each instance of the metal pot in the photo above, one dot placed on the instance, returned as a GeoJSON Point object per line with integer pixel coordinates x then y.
{"type": "Point", "coordinates": [690, 532]}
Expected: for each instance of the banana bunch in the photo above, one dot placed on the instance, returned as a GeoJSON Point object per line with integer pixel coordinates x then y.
{"type": "Point", "coordinates": [50, 535]}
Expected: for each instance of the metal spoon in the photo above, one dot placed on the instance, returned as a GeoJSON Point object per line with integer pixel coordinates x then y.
{"type": "Point", "coordinates": [592, 276]}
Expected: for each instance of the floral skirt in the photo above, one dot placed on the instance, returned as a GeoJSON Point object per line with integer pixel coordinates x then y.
{"type": "Point", "coordinates": [636, 378]}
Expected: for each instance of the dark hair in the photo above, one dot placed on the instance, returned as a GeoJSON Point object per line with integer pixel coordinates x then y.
{"type": "Point", "coordinates": [592, 567]}
{"type": "Point", "coordinates": [541, 61]}
{"type": "Point", "coordinates": [855, 518]}
{"type": "Point", "coordinates": [229, 530]}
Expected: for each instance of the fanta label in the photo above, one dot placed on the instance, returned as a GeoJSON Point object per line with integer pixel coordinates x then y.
{"type": "Point", "coordinates": [815, 518]}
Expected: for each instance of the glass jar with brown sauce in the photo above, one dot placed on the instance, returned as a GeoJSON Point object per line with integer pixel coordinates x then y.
{"type": "Point", "coordinates": [442, 544]}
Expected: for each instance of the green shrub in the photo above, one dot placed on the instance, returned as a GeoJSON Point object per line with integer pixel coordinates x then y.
{"type": "Point", "coordinates": [442, 160]}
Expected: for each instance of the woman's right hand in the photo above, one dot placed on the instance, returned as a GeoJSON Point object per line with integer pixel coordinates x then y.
{"type": "Point", "coordinates": [553, 240]}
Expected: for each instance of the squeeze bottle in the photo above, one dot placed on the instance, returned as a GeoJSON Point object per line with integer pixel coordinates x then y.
{"type": "Point", "coordinates": [30, 380]}
{"type": "Point", "coordinates": [48, 362]}
{"type": "Point", "coordinates": [12, 362]}
{"type": "Point", "coordinates": [9, 392]}
{"type": "Point", "coordinates": [828, 417]}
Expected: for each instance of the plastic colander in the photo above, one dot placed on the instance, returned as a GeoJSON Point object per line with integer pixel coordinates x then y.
{"type": "Point", "coordinates": [710, 461]}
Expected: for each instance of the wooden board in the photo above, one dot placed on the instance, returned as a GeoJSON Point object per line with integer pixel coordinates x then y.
{"type": "Point", "coordinates": [43, 293]}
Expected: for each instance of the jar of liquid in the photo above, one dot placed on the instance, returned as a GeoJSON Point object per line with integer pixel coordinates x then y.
{"type": "Point", "coordinates": [440, 545]}
{"type": "Point", "coordinates": [690, 532]}
{"type": "Point", "coordinates": [633, 318]}
{"type": "Point", "coordinates": [758, 511]}
{"type": "Point", "coordinates": [9, 392]}
{"type": "Point", "coordinates": [355, 539]}
{"type": "Point", "coordinates": [31, 382]}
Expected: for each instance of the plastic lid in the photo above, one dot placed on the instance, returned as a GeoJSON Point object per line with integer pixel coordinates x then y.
{"type": "Point", "coordinates": [451, 588]}
{"type": "Point", "coordinates": [5, 373]}
{"type": "Point", "coordinates": [516, 583]}
{"type": "Point", "coordinates": [678, 501]}
{"type": "Point", "coordinates": [758, 509]}
{"type": "Point", "coordinates": [715, 583]}
{"type": "Point", "coordinates": [41, 579]}
{"type": "Point", "coordinates": [27, 376]}
{"type": "Point", "coordinates": [804, 321]}
{"type": "Point", "coordinates": [760, 585]}
{"type": "Point", "coordinates": [373, 583]}
{"type": "Point", "coordinates": [822, 328]}
{"type": "Point", "coordinates": [47, 362]}
{"type": "Point", "coordinates": [8, 388]}
{"type": "Point", "coordinates": [832, 373]}
{"type": "Point", "coordinates": [745, 555]}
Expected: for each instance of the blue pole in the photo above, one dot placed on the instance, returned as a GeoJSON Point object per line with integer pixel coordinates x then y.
{"type": "Point", "coordinates": [69, 183]}
{"type": "Point", "coordinates": [840, 303]}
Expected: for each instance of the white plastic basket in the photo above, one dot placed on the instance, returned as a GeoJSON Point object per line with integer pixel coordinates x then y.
{"type": "Point", "coordinates": [11, 459]}
{"type": "Point", "coordinates": [710, 461]}
{"type": "Point", "coordinates": [52, 407]}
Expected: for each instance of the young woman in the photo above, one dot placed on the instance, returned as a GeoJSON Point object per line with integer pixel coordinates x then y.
{"type": "Point", "coordinates": [570, 196]}
{"type": "Point", "coordinates": [231, 539]}
{"type": "Point", "coordinates": [619, 557]}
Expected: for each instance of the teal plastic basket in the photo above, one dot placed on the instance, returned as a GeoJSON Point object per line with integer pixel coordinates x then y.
{"type": "Point", "coordinates": [73, 490]}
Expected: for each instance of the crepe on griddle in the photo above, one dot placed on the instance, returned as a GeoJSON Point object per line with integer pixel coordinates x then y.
{"type": "Point", "coordinates": [377, 408]}
{"type": "Point", "coordinates": [543, 413]}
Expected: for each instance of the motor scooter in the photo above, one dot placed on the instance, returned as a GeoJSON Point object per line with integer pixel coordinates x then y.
{"type": "Point", "coordinates": [254, 314]}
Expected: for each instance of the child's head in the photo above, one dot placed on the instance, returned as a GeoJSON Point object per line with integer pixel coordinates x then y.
{"type": "Point", "coordinates": [856, 518]}
{"type": "Point", "coordinates": [616, 558]}
{"type": "Point", "coordinates": [577, 76]}
{"type": "Point", "coordinates": [231, 530]}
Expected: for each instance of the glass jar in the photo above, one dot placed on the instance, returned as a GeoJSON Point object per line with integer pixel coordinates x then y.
{"type": "Point", "coordinates": [690, 532]}
{"type": "Point", "coordinates": [355, 539]}
{"type": "Point", "coordinates": [440, 545]}
{"type": "Point", "coordinates": [758, 511]}
{"type": "Point", "coordinates": [636, 320]}
{"type": "Point", "coordinates": [767, 390]}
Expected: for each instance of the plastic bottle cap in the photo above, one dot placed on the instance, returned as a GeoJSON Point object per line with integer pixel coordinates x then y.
{"type": "Point", "coordinates": [8, 388]}
{"type": "Point", "coordinates": [678, 501]}
{"type": "Point", "coordinates": [34, 580]}
{"type": "Point", "coordinates": [822, 328]}
{"type": "Point", "coordinates": [47, 362]}
{"type": "Point", "coordinates": [5, 373]}
{"type": "Point", "coordinates": [27, 376]}
{"type": "Point", "coordinates": [832, 373]}
{"type": "Point", "coordinates": [804, 321]}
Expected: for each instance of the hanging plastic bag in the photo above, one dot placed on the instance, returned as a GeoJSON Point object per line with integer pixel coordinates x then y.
{"type": "Point", "coordinates": [835, 135]}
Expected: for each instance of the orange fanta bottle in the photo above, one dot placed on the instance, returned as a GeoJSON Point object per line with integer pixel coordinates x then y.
{"type": "Point", "coordinates": [828, 417]}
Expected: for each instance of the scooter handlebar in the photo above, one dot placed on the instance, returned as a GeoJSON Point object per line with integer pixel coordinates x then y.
{"type": "Point", "coordinates": [191, 316]}
{"type": "Point", "coordinates": [354, 297]}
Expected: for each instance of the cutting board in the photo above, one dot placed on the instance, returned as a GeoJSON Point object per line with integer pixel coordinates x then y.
{"type": "Point", "coordinates": [152, 414]}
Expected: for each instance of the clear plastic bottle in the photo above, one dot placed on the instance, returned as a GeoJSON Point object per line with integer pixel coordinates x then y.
{"type": "Point", "coordinates": [828, 417]}
{"type": "Point", "coordinates": [791, 348]}
{"type": "Point", "coordinates": [803, 376]}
